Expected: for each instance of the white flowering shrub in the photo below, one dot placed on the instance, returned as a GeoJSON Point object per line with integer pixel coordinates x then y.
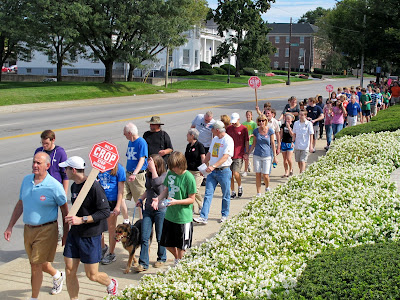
{"type": "Point", "coordinates": [344, 199]}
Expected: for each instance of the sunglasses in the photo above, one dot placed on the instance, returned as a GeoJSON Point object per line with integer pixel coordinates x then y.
{"type": "Point", "coordinates": [262, 121]}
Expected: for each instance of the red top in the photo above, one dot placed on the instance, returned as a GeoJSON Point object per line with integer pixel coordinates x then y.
{"type": "Point", "coordinates": [240, 136]}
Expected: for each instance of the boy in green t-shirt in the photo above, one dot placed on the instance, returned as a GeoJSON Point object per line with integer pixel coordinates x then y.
{"type": "Point", "coordinates": [250, 125]}
{"type": "Point", "coordinates": [181, 190]}
{"type": "Point", "coordinates": [365, 101]}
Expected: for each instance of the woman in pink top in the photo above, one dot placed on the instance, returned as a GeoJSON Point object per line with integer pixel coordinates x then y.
{"type": "Point", "coordinates": [339, 113]}
{"type": "Point", "coordinates": [328, 114]}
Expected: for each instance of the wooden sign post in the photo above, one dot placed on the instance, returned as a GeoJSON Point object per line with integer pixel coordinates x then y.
{"type": "Point", "coordinates": [255, 83]}
{"type": "Point", "coordinates": [103, 157]}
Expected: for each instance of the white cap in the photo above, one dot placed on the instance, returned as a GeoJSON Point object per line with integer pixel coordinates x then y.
{"type": "Point", "coordinates": [235, 117]}
{"type": "Point", "coordinates": [75, 162]}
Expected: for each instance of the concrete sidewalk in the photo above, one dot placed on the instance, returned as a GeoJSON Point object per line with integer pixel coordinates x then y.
{"type": "Point", "coordinates": [15, 275]}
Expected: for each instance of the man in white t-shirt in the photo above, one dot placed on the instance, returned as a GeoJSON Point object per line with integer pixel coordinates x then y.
{"type": "Point", "coordinates": [203, 124]}
{"type": "Point", "coordinates": [219, 160]}
{"type": "Point", "coordinates": [303, 135]}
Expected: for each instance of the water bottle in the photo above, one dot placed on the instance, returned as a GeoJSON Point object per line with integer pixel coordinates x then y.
{"type": "Point", "coordinates": [163, 204]}
{"type": "Point", "coordinates": [274, 165]}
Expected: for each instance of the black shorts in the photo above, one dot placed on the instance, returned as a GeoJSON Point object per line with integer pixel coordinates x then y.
{"type": "Point", "coordinates": [177, 235]}
{"type": "Point", "coordinates": [112, 204]}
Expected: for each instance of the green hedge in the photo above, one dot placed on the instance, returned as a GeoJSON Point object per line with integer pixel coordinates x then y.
{"type": "Point", "coordinates": [180, 72]}
{"type": "Point", "coordinates": [227, 66]}
{"type": "Point", "coordinates": [365, 272]}
{"type": "Point", "coordinates": [204, 72]}
{"type": "Point", "coordinates": [386, 120]}
{"type": "Point", "coordinates": [313, 75]}
{"type": "Point", "coordinates": [220, 71]}
{"type": "Point", "coordinates": [249, 71]}
{"type": "Point", "coordinates": [204, 65]}
{"type": "Point", "coordinates": [327, 72]}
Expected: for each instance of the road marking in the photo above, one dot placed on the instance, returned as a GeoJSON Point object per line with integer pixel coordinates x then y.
{"type": "Point", "coordinates": [30, 158]}
{"type": "Point", "coordinates": [135, 118]}
{"type": "Point", "coordinates": [8, 124]}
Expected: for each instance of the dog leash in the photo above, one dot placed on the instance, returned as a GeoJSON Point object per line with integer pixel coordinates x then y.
{"type": "Point", "coordinates": [133, 217]}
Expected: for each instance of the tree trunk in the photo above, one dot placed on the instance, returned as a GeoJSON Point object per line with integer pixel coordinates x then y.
{"type": "Point", "coordinates": [130, 72]}
{"type": "Point", "coordinates": [59, 70]}
{"type": "Point", "coordinates": [109, 71]}
{"type": "Point", "coordinates": [237, 74]}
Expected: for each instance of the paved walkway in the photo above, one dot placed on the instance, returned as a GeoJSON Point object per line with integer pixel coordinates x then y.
{"type": "Point", "coordinates": [15, 275]}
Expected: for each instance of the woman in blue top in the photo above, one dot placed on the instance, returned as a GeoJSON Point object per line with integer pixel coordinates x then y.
{"type": "Point", "coordinates": [113, 182]}
{"type": "Point", "coordinates": [263, 142]}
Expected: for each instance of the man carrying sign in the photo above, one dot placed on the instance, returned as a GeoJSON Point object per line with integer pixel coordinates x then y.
{"type": "Point", "coordinates": [84, 238]}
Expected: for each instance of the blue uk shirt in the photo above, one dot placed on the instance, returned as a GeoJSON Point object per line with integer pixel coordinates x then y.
{"type": "Point", "coordinates": [135, 151]}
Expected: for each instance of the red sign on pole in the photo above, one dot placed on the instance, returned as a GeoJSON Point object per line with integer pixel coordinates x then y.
{"type": "Point", "coordinates": [329, 88]}
{"type": "Point", "coordinates": [104, 156]}
{"type": "Point", "coordinates": [254, 82]}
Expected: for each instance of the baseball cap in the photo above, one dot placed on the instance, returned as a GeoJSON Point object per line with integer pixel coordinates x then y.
{"type": "Point", "coordinates": [235, 117]}
{"type": "Point", "coordinates": [75, 162]}
{"type": "Point", "coordinates": [218, 125]}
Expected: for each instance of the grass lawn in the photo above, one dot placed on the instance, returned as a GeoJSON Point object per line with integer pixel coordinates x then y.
{"type": "Point", "coordinates": [35, 92]}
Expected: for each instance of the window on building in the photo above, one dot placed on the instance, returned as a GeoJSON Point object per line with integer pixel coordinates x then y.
{"type": "Point", "coordinates": [28, 70]}
{"type": "Point", "coordinates": [286, 65]}
{"type": "Point", "coordinates": [72, 72]}
{"type": "Point", "coordinates": [50, 71]}
{"type": "Point", "coordinates": [197, 32]}
{"type": "Point", "coordinates": [186, 56]}
{"type": "Point", "coordinates": [286, 52]}
{"type": "Point", "coordinates": [276, 65]}
{"type": "Point", "coordinates": [301, 52]}
{"type": "Point", "coordinates": [287, 40]}
{"type": "Point", "coordinates": [302, 40]}
{"type": "Point", "coordinates": [277, 52]}
{"type": "Point", "coordinates": [196, 57]}
{"type": "Point", "coordinates": [277, 39]}
{"type": "Point", "coordinates": [96, 72]}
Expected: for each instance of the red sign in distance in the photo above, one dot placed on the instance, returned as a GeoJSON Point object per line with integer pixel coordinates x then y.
{"type": "Point", "coordinates": [254, 82]}
{"type": "Point", "coordinates": [104, 156]}
{"type": "Point", "coordinates": [329, 88]}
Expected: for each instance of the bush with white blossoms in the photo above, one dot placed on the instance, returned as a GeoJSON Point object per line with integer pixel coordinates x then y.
{"type": "Point", "coordinates": [344, 199]}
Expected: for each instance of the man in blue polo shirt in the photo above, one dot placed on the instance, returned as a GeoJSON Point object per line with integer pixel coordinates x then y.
{"type": "Point", "coordinates": [353, 110]}
{"type": "Point", "coordinates": [39, 199]}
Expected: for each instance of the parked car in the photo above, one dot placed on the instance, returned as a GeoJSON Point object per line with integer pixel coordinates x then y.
{"type": "Point", "coordinates": [14, 68]}
{"type": "Point", "coordinates": [5, 69]}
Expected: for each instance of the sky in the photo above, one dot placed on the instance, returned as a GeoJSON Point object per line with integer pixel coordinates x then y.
{"type": "Point", "coordinates": [282, 10]}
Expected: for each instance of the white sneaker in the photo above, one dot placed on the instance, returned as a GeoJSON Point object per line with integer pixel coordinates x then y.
{"type": "Point", "coordinates": [244, 174]}
{"type": "Point", "coordinates": [200, 220]}
{"type": "Point", "coordinates": [223, 219]}
{"type": "Point", "coordinates": [58, 284]}
{"type": "Point", "coordinates": [258, 194]}
{"type": "Point", "coordinates": [267, 190]}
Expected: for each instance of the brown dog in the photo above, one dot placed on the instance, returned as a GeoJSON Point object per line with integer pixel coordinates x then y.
{"type": "Point", "coordinates": [131, 237]}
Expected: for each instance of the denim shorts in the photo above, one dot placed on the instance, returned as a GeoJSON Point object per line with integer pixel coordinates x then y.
{"type": "Point", "coordinates": [87, 249]}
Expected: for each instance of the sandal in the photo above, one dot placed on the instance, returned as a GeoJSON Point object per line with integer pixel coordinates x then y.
{"type": "Point", "coordinates": [284, 176]}
{"type": "Point", "coordinates": [291, 173]}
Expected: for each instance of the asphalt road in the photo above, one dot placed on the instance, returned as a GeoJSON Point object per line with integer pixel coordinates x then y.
{"type": "Point", "coordinates": [80, 124]}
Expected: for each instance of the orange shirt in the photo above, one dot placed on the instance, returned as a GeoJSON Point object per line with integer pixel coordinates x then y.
{"type": "Point", "coordinates": [396, 91]}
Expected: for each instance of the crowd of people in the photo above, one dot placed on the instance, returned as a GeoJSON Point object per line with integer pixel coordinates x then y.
{"type": "Point", "coordinates": [155, 172]}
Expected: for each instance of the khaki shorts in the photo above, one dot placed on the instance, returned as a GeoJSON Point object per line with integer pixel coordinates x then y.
{"type": "Point", "coordinates": [300, 155]}
{"type": "Point", "coordinates": [134, 189]}
{"type": "Point", "coordinates": [41, 243]}
{"type": "Point", "coordinates": [236, 165]}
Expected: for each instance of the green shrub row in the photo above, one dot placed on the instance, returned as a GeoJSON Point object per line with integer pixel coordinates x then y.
{"type": "Point", "coordinates": [327, 72]}
{"type": "Point", "coordinates": [368, 271]}
{"type": "Point", "coordinates": [386, 120]}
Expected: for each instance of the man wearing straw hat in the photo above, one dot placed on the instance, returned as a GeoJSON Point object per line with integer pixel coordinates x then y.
{"type": "Point", "coordinates": [157, 139]}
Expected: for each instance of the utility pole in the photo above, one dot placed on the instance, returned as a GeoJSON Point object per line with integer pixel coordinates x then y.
{"type": "Point", "coordinates": [166, 68]}
{"type": "Point", "coordinates": [362, 49]}
{"type": "Point", "coordinates": [290, 44]}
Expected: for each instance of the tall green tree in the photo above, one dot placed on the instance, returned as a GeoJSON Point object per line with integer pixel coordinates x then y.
{"type": "Point", "coordinates": [132, 30]}
{"type": "Point", "coordinates": [312, 16]}
{"type": "Point", "coordinates": [52, 32]}
{"type": "Point", "coordinates": [241, 16]}
{"type": "Point", "coordinates": [13, 29]}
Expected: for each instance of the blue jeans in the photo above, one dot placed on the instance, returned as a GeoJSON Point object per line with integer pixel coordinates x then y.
{"type": "Point", "coordinates": [150, 217]}
{"type": "Point", "coordinates": [223, 177]}
{"type": "Point", "coordinates": [336, 128]}
{"type": "Point", "coordinates": [328, 132]}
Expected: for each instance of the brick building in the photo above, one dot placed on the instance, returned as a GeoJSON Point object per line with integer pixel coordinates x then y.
{"type": "Point", "coordinates": [303, 55]}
